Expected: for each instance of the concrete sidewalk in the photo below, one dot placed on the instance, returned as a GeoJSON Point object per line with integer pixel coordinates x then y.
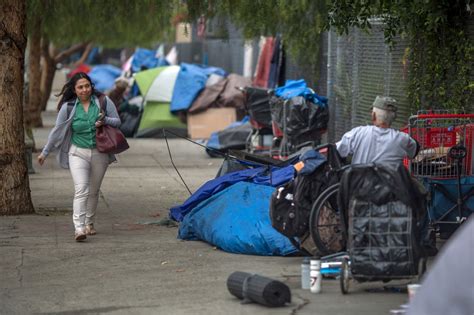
{"type": "Point", "coordinates": [131, 267]}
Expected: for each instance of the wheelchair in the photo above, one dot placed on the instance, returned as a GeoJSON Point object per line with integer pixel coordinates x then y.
{"type": "Point", "coordinates": [372, 217]}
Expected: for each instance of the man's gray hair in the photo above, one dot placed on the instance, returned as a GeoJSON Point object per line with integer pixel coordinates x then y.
{"type": "Point", "coordinates": [384, 116]}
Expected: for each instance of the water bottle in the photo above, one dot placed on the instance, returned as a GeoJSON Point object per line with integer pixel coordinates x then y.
{"type": "Point", "coordinates": [315, 274]}
{"type": "Point", "coordinates": [305, 274]}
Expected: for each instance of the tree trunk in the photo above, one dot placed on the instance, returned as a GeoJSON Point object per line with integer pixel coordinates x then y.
{"type": "Point", "coordinates": [15, 195]}
{"type": "Point", "coordinates": [33, 118]}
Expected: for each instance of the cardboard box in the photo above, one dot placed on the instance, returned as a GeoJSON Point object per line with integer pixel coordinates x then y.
{"type": "Point", "coordinates": [200, 126]}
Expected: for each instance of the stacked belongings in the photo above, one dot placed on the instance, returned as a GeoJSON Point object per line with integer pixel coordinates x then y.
{"type": "Point", "coordinates": [300, 115]}
{"type": "Point", "coordinates": [292, 203]}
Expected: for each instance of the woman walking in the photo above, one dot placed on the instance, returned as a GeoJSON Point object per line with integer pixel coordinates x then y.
{"type": "Point", "coordinates": [79, 114]}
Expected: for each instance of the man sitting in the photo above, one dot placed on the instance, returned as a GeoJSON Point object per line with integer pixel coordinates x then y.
{"type": "Point", "coordinates": [379, 142]}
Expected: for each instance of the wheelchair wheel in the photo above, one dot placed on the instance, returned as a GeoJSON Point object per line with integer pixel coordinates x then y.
{"type": "Point", "coordinates": [344, 277]}
{"type": "Point", "coordinates": [325, 222]}
{"type": "Point", "coordinates": [421, 268]}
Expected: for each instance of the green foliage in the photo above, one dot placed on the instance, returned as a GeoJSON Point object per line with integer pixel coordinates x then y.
{"type": "Point", "coordinates": [110, 23]}
{"type": "Point", "coordinates": [441, 54]}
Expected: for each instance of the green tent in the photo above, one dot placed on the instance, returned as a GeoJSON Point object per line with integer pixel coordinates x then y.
{"type": "Point", "coordinates": [156, 85]}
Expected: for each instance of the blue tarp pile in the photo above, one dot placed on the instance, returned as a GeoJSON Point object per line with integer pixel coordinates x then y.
{"type": "Point", "coordinates": [232, 212]}
{"type": "Point", "coordinates": [237, 221]}
{"type": "Point", "coordinates": [259, 175]}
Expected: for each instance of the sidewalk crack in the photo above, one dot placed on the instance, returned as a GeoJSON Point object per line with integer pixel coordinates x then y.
{"type": "Point", "coordinates": [19, 268]}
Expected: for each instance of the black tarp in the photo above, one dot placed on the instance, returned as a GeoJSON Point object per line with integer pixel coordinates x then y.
{"type": "Point", "coordinates": [300, 120]}
{"type": "Point", "coordinates": [231, 138]}
{"type": "Point", "coordinates": [258, 106]}
{"type": "Point", "coordinates": [381, 206]}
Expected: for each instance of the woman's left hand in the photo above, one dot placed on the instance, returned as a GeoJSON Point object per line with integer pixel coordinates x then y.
{"type": "Point", "coordinates": [99, 123]}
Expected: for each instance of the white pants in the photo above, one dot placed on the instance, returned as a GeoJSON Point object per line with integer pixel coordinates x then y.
{"type": "Point", "coordinates": [88, 168]}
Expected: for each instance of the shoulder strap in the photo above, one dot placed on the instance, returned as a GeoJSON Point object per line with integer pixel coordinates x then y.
{"type": "Point", "coordinates": [103, 103]}
{"type": "Point", "coordinates": [70, 106]}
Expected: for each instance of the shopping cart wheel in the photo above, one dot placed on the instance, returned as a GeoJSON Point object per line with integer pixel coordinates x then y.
{"type": "Point", "coordinates": [325, 222]}
{"type": "Point", "coordinates": [344, 276]}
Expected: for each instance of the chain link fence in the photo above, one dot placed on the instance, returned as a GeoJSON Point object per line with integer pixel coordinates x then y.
{"type": "Point", "coordinates": [362, 66]}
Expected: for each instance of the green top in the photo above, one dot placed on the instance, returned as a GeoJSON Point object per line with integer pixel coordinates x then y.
{"type": "Point", "coordinates": [83, 125]}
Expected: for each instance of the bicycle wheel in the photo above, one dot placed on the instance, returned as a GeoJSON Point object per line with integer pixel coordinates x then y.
{"type": "Point", "coordinates": [325, 222]}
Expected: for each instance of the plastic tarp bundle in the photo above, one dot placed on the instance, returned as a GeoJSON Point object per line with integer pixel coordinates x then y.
{"type": "Point", "coordinates": [237, 221]}
{"type": "Point", "coordinates": [294, 88]}
{"type": "Point", "coordinates": [146, 58]}
{"type": "Point", "coordinates": [258, 105]}
{"type": "Point", "coordinates": [300, 113]}
{"type": "Point", "coordinates": [260, 175]}
{"type": "Point", "coordinates": [191, 80]}
{"type": "Point", "coordinates": [233, 137]}
{"type": "Point", "coordinates": [221, 94]}
{"type": "Point", "coordinates": [381, 206]}
{"type": "Point", "coordinates": [129, 113]}
{"type": "Point", "coordinates": [299, 119]}
{"type": "Point", "coordinates": [103, 76]}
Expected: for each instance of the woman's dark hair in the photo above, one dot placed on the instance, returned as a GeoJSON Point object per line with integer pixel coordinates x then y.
{"type": "Point", "coordinates": [68, 92]}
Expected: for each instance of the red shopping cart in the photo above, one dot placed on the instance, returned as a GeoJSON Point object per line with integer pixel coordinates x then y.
{"type": "Point", "coordinates": [445, 165]}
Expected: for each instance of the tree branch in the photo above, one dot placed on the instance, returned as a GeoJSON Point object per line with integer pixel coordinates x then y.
{"type": "Point", "coordinates": [68, 52]}
{"type": "Point", "coordinates": [84, 56]}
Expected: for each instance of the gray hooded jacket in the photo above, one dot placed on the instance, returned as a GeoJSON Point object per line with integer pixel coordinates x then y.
{"type": "Point", "coordinates": [60, 135]}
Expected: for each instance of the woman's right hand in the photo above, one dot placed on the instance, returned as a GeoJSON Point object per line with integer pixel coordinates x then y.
{"type": "Point", "coordinates": [41, 159]}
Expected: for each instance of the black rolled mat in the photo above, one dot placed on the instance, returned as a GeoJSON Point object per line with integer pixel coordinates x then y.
{"type": "Point", "coordinates": [258, 289]}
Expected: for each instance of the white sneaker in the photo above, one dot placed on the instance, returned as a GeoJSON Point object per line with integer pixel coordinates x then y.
{"type": "Point", "coordinates": [80, 235]}
{"type": "Point", "coordinates": [90, 229]}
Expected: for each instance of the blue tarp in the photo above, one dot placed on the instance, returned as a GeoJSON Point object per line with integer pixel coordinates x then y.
{"type": "Point", "coordinates": [259, 175]}
{"type": "Point", "coordinates": [237, 220]}
{"type": "Point", "coordinates": [190, 81]}
{"type": "Point", "coordinates": [145, 58]}
{"type": "Point", "coordinates": [103, 76]}
{"type": "Point", "coordinates": [294, 88]}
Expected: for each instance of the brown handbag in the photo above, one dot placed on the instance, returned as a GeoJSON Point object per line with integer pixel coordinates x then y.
{"type": "Point", "coordinates": [109, 139]}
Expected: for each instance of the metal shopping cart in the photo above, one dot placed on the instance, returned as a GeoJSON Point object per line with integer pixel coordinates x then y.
{"type": "Point", "coordinates": [445, 165]}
